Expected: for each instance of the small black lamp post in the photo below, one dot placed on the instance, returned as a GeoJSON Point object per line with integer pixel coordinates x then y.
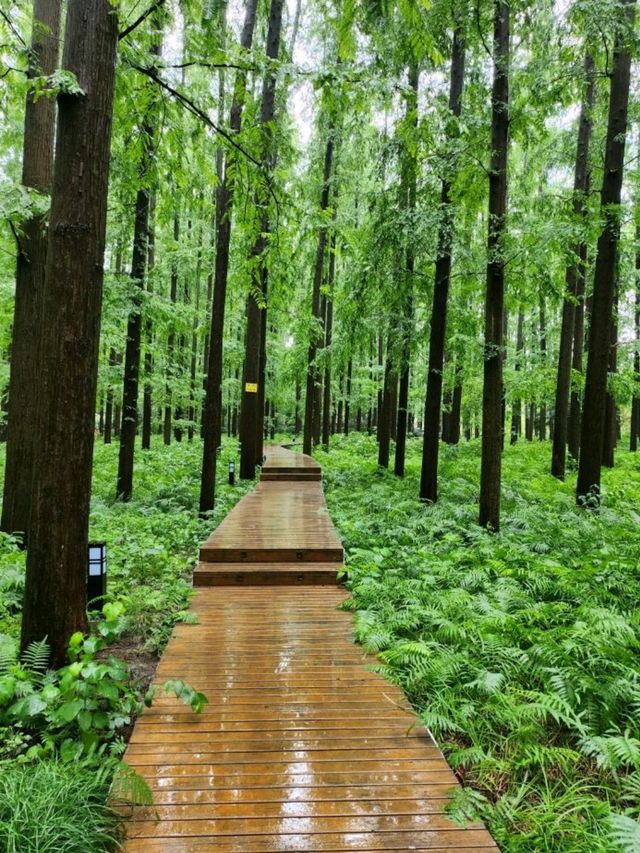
{"type": "Point", "coordinates": [232, 472]}
{"type": "Point", "coordinates": [97, 573]}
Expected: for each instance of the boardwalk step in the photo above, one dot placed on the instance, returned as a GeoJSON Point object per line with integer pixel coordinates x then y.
{"type": "Point", "coordinates": [265, 574]}
{"type": "Point", "coordinates": [252, 554]}
{"type": "Point", "coordinates": [291, 476]}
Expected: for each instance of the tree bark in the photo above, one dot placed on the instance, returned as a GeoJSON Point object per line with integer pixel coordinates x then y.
{"type": "Point", "coordinates": [610, 409]}
{"type": "Point", "coordinates": [250, 413]}
{"type": "Point", "coordinates": [312, 369]}
{"type": "Point", "coordinates": [542, 420]}
{"type": "Point", "coordinates": [573, 273]}
{"type": "Point", "coordinates": [492, 398]}
{"type": "Point", "coordinates": [592, 430]}
{"type": "Point", "coordinates": [211, 416]}
{"type": "Point", "coordinates": [171, 340]}
{"type": "Point", "coordinates": [147, 399]}
{"type": "Point", "coordinates": [108, 413]}
{"type": "Point", "coordinates": [326, 403]}
{"type": "Point", "coordinates": [433, 398]}
{"type": "Point", "coordinates": [410, 180]}
{"type": "Point", "coordinates": [635, 399]}
{"type": "Point", "coordinates": [516, 410]}
{"type": "Point", "coordinates": [386, 412]}
{"type": "Point", "coordinates": [55, 592]}
{"type": "Point", "coordinates": [124, 485]}
{"type": "Point", "coordinates": [37, 167]}
{"type": "Point", "coordinates": [573, 428]}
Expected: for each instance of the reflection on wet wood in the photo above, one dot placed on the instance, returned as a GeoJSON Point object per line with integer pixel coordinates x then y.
{"type": "Point", "coordinates": [301, 747]}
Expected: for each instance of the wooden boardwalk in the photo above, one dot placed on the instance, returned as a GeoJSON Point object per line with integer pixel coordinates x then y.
{"type": "Point", "coordinates": [301, 747]}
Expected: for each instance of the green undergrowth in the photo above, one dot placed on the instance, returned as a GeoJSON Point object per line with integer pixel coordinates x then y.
{"type": "Point", "coordinates": [520, 650]}
{"type": "Point", "coordinates": [63, 732]}
{"type": "Point", "coordinates": [152, 541]}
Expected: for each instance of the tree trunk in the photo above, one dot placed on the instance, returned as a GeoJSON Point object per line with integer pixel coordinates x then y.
{"type": "Point", "coordinates": [250, 415]}
{"type": "Point", "coordinates": [456, 408]}
{"type": "Point", "coordinates": [347, 397]}
{"type": "Point", "coordinates": [298, 422]}
{"type": "Point", "coordinates": [433, 399]}
{"type": "Point", "coordinates": [592, 430]}
{"type": "Point", "coordinates": [410, 181]}
{"type": "Point", "coordinates": [635, 400]}
{"type": "Point", "coordinates": [492, 415]}
{"type": "Point", "coordinates": [385, 415]}
{"type": "Point", "coordinates": [55, 595]}
{"type": "Point", "coordinates": [573, 428]}
{"type": "Point", "coordinates": [211, 417]}
{"type": "Point", "coordinates": [147, 399]}
{"type": "Point", "coordinates": [542, 421]}
{"type": "Point", "coordinates": [573, 274]}
{"type": "Point", "coordinates": [124, 485]}
{"type": "Point", "coordinates": [380, 386]}
{"type": "Point", "coordinates": [312, 370]}
{"type": "Point", "coordinates": [326, 403]}
{"type": "Point", "coordinates": [37, 166]}
{"type": "Point", "coordinates": [516, 410]}
{"type": "Point", "coordinates": [108, 413]}
{"type": "Point", "coordinates": [193, 367]}
{"type": "Point", "coordinates": [262, 379]}
{"type": "Point", "coordinates": [610, 408]}
{"type": "Point", "coordinates": [171, 340]}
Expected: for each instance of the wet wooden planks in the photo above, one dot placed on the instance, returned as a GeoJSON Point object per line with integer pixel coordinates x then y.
{"type": "Point", "coordinates": [301, 747]}
{"type": "Point", "coordinates": [276, 522]}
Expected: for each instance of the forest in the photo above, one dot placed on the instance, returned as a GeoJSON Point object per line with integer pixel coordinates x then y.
{"type": "Point", "coordinates": [401, 236]}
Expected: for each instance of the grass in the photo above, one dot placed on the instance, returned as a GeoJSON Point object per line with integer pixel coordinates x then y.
{"type": "Point", "coordinates": [519, 650]}
{"type": "Point", "coordinates": [54, 807]}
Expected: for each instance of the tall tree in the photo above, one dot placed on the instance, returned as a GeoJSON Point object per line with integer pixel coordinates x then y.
{"type": "Point", "coordinates": [211, 416]}
{"type": "Point", "coordinates": [433, 399]}
{"type": "Point", "coordinates": [147, 400]}
{"type": "Point", "coordinates": [592, 429]}
{"type": "Point", "coordinates": [55, 590]}
{"type": "Point", "coordinates": [516, 410]}
{"type": "Point", "coordinates": [410, 179]}
{"type": "Point", "coordinates": [326, 402]}
{"type": "Point", "coordinates": [573, 272]}
{"type": "Point", "coordinates": [37, 168]}
{"type": "Point", "coordinates": [312, 368]}
{"type": "Point", "coordinates": [635, 399]}
{"type": "Point", "coordinates": [131, 378]}
{"type": "Point", "coordinates": [492, 397]}
{"type": "Point", "coordinates": [250, 413]}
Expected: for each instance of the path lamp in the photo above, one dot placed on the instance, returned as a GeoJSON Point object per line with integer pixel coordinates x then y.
{"type": "Point", "coordinates": [232, 472]}
{"type": "Point", "coordinates": [97, 573]}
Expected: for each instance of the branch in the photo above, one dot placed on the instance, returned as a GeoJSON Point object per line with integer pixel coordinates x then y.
{"type": "Point", "coordinates": [195, 110]}
{"type": "Point", "coordinates": [143, 17]}
{"type": "Point", "coordinates": [12, 28]}
{"type": "Point", "coordinates": [199, 64]}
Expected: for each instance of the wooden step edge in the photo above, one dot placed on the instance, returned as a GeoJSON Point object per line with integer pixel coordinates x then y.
{"type": "Point", "coordinates": [291, 574]}
{"type": "Point", "coordinates": [290, 478]}
{"type": "Point", "coordinates": [214, 554]}
{"type": "Point", "coordinates": [291, 469]}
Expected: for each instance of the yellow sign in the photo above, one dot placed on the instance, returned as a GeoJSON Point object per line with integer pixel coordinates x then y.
{"type": "Point", "coordinates": [251, 387]}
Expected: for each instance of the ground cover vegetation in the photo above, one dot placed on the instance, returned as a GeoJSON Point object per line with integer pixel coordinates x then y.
{"type": "Point", "coordinates": [415, 224]}
{"type": "Point", "coordinates": [519, 651]}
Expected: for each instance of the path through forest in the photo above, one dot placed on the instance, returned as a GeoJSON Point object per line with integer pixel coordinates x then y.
{"type": "Point", "coordinates": [301, 747]}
